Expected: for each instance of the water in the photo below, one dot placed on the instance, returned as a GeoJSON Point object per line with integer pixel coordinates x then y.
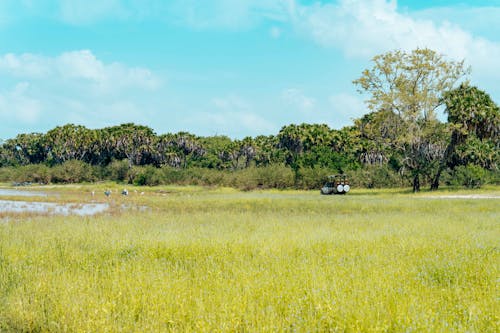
{"type": "Point", "coordinates": [52, 208]}
{"type": "Point", "coordinates": [21, 193]}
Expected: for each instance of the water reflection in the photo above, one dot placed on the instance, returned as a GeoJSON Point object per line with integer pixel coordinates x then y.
{"type": "Point", "coordinates": [21, 193]}
{"type": "Point", "coordinates": [52, 208]}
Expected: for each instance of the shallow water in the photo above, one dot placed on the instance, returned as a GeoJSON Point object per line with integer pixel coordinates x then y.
{"type": "Point", "coordinates": [21, 193]}
{"type": "Point", "coordinates": [52, 208]}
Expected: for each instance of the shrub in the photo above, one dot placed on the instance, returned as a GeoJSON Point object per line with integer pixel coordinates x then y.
{"type": "Point", "coordinates": [172, 175]}
{"type": "Point", "coordinates": [8, 174]}
{"type": "Point", "coordinates": [272, 176]}
{"type": "Point", "coordinates": [471, 176]}
{"type": "Point", "coordinates": [312, 178]}
{"type": "Point", "coordinates": [147, 175]}
{"type": "Point", "coordinates": [35, 173]}
{"type": "Point", "coordinates": [73, 171]}
{"type": "Point", "coordinates": [118, 170]}
{"type": "Point", "coordinates": [375, 177]}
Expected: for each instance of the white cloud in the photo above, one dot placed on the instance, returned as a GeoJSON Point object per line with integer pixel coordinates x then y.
{"type": "Point", "coordinates": [41, 92]}
{"type": "Point", "coordinates": [233, 116]}
{"type": "Point", "coordinates": [210, 14]}
{"type": "Point", "coordinates": [88, 11]}
{"type": "Point", "coordinates": [482, 20]}
{"type": "Point", "coordinates": [78, 66]}
{"type": "Point", "coordinates": [347, 106]}
{"type": "Point", "coordinates": [363, 28]}
{"type": "Point", "coordinates": [17, 104]}
{"type": "Point", "coordinates": [296, 98]}
{"type": "Point", "coordinates": [25, 65]}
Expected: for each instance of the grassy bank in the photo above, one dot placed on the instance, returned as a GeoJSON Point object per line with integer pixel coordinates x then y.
{"type": "Point", "coordinates": [224, 260]}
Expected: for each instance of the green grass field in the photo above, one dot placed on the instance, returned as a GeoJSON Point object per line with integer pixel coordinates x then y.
{"type": "Point", "coordinates": [220, 260]}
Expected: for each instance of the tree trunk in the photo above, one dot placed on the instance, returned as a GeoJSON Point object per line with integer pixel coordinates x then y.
{"type": "Point", "coordinates": [416, 183]}
{"type": "Point", "coordinates": [435, 181]}
{"type": "Point", "coordinates": [455, 139]}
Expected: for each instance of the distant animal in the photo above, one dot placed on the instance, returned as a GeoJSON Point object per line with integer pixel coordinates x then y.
{"type": "Point", "coordinates": [125, 191]}
{"type": "Point", "coordinates": [92, 193]}
{"type": "Point", "coordinates": [107, 193]}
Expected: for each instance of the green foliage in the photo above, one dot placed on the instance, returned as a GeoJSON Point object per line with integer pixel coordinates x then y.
{"type": "Point", "coordinates": [475, 126]}
{"type": "Point", "coordinates": [272, 176]}
{"type": "Point", "coordinates": [312, 177]}
{"type": "Point", "coordinates": [470, 176]}
{"type": "Point", "coordinates": [73, 171]}
{"type": "Point", "coordinates": [399, 140]}
{"type": "Point", "coordinates": [376, 176]}
{"type": "Point", "coordinates": [405, 90]}
{"type": "Point", "coordinates": [118, 170]}
{"type": "Point", "coordinates": [146, 175]}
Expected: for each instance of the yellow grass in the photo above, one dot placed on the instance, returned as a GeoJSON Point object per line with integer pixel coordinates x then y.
{"type": "Point", "coordinates": [221, 260]}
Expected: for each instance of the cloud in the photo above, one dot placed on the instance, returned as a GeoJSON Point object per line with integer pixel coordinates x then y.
{"type": "Point", "coordinates": [41, 92]}
{"type": "Point", "coordinates": [228, 14]}
{"type": "Point", "coordinates": [363, 28]}
{"type": "Point", "coordinates": [233, 116]}
{"type": "Point", "coordinates": [25, 65]}
{"type": "Point", "coordinates": [78, 66]}
{"type": "Point", "coordinates": [196, 14]}
{"type": "Point", "coordinates": [87, 11]}
{"type": "Point", "coordinates": [296, 98]}
{"type": "Point", "coordinates": [347, 107]}
{"type": "Point", "coordinates": [482, 20]}
{"type": "Point", "coordinates": [18, 104]}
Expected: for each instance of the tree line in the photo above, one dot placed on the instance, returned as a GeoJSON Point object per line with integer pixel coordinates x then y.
{"type": "Point", "coordinates": [399, 142]}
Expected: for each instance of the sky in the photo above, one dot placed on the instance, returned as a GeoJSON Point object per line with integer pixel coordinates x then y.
{"type": "Point", "coordinates": [220, 67]}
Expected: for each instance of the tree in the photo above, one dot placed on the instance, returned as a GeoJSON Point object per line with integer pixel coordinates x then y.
{"type": "Point", "coordinates": [69, 142]}
{"type": "Point", "coordinates": [475, 127]}
{"type": "Point", "coordinates": [410, 86]}
{"type": "Point", "coordinates": [24, 149]}
{"type": "Point", "coordinates": [129, 141]}
{"type": "Point", "coordinates": [178, 149]}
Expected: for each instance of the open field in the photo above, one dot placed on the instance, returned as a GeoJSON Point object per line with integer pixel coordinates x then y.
{"type": "Point", "coordinates": [195, 260]}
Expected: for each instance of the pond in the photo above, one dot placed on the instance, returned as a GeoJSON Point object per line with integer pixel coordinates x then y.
{"type": "Point", "coordinates": [52, 208]}
{"type": "Point", "coordinates": [14, 206]}
{"type": "Point", "coordinates": [21, 193]}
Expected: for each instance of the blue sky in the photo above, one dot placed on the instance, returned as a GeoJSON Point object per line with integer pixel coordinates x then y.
{"type": "Point", "coordinates": [233, 67]}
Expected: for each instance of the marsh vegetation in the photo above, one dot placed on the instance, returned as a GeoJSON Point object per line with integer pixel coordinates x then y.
{"type": "Point", "coordinates": [223, 260]}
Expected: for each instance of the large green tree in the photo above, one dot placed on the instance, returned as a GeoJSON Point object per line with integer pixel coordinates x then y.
{"type": "Point", "coordinates": [409, 85]}
{"type": "Point", "coordinates": [69, 142]}
{"type": "Point", "coordinates": [474, 121]}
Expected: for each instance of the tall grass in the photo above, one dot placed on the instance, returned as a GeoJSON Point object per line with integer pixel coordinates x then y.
{"type": "Point", "coordinates": [259, 261]}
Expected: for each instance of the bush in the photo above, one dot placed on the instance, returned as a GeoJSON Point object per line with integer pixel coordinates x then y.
{"type": "Point", "coordinates": [312, 178]}
{"type": "Point", "coordinates": [470, 176]}
{"type": "Point", "coordinates": [34, 173]}
{"type": "Point", "coordinates": [6, 174]}
{"type": "Point", "coordinates": [272, 176]}
{"type": "Point", "coordinates": [118, 170]}
{"type": "Point", "coordinates": [147, 175]}
{"type": "Point", "coordinates": [73, 171]}
{"type": "Point", "coordinates": [172, 175]}
{"type": "Point", "coordinates": [375, 177]}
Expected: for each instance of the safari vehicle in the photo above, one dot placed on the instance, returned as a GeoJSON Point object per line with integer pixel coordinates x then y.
{"type": "Point", "coordinates": [336, 184]}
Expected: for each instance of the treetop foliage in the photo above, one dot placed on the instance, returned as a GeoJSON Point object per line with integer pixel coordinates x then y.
{"type": "Point", "coordinates": [401, 133]}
